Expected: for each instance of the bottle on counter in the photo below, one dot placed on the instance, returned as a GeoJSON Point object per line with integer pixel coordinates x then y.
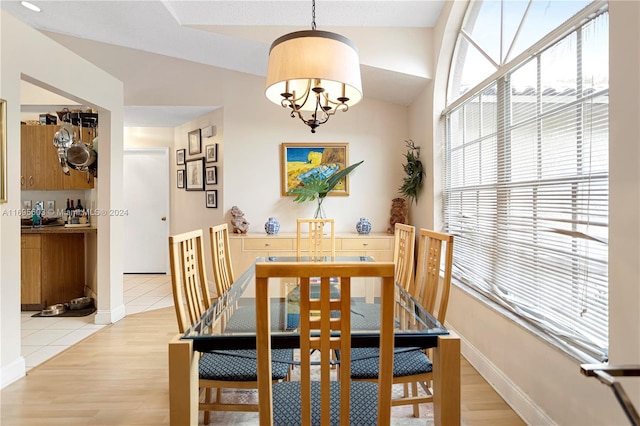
{"type": "Point", "coordinates": [67, 213]}
{"type": "Point", "coordinates": [82, 214]}
{"type": "Point", "coordinates": [37, 216]}
{"type": "Point", "coordinates": [73, 214]}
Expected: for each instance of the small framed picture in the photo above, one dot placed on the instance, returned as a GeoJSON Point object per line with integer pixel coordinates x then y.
{"type": "Point", "coordinates": [181, 179]}
{"type": "Point", "coordinates": [211, 173]}
{"type": "Point", "coordinates": [180, 157]}
{"type": "Point", "coordinates": [195, 142]}
{"type": "Point", "coordinates": [195, 174]}
{"type": "Point", "coordinates": [212, 199]}
{"type": "Point", "coordinates": [212, 153]}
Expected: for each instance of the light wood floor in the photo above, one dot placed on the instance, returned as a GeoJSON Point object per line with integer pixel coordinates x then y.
{"type": "Point", "coordinates": [119, 376]}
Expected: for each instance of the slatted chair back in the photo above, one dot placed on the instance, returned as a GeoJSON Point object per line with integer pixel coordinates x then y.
{"type": "Point", "coordinates": [435, 250]}
{"type": "Point", "coordinates": [191, 296]}
{"type": "Point", "coordinates": [325, 325]}
{"type": "Point", "coordinates": [316, 238]}
{"type": "Point", "coordinates": [221, 257]}
{"type": "Point", "coordinates": [403, 253]}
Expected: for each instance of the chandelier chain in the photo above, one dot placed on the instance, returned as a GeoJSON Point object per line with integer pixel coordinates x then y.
{"type": "Point", "coordinates": [313, 15]}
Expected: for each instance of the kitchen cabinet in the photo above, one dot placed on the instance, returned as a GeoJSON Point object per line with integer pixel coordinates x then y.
{"type": "Point", "coordinates": [31, 271]}
{"type": "Point", "coordinates": [52, 268]}
{"type": "Point", "coordinates": [40, 168]}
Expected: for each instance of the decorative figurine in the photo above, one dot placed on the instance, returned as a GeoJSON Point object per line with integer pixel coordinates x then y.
{"type": "Point", "coordinates": [238, 222]}
{"type": "Point", "coordinates": [398, 213]}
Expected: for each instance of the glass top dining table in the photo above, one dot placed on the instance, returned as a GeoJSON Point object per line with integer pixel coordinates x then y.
{"type": "Point", "coordinates": [230, 323]}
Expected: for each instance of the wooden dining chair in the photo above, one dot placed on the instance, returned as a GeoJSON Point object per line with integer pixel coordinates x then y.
{"type": "Point", "coordinates": [316, 238]}
{"type": "Point", "coordinates": [220, 369]}
{"type": "Point", "coordinates": [325, 325]}
{"type": "Point", "coordinates": [221, 257]}
{"type": "Point", "coordinates": [413, 367]}
{"type": "Point", "coordinates": [429, 289]}
{"type": "Point", "coordinates": [404, 244]}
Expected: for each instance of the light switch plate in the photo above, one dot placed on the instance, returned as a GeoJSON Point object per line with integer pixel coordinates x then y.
{"type": "Point", "coordinates": [26, 204]}
{"type": "Point", "coordinates": [51, 205]}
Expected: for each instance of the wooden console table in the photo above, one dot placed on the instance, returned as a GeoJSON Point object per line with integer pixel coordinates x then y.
{"type": "Point", "coordinates": [245, 248]}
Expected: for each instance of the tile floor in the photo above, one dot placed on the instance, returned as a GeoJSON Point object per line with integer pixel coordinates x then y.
{"type": "Point", "coordinates": [44, 337]}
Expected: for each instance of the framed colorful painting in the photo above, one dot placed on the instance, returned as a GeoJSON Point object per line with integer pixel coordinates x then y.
{"type": "Point", "coordinates": [300, 160]}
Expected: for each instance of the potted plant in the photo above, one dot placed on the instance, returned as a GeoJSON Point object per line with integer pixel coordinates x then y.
{"type": "Point", "coordinates": [414, 171]}
{"type": "Point", "coordinates": [317, 187]}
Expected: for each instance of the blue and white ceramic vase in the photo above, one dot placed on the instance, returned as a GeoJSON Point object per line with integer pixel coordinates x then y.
{"type": "Point", "coordinates": [272, 226]}
{"type": "Point", "coordinates": [363, 226]}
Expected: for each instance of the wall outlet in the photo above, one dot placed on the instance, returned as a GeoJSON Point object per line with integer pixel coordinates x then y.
{"type": "Point", "coordinates": [26, 204]}
{"type": "Point", "coordinates": [51, 205]}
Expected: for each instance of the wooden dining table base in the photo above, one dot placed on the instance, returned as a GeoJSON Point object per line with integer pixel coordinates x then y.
{"type": "Point", "coordinates": [183, 381]}
{"type": "Point", "coordinates": [446, 380]}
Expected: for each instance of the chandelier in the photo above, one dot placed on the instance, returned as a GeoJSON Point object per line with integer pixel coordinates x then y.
{"type": "Point", "coordinates": [314, 73]}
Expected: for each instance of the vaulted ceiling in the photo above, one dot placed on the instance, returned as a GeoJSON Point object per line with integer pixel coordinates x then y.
{"type": "Point", "coordinates": [392, 38]}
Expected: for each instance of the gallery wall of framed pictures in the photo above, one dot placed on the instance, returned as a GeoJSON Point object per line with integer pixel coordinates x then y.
{"type": "Point", "coordinates": [199, 171]}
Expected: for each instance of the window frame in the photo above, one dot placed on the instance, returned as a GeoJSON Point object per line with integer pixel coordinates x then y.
{"type": "Point", "coordinates": [503, 92]}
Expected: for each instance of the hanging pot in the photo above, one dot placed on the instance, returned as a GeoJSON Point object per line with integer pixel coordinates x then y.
{"type": "Point", "coordinates": [62, 157]}
{"type": "Point", "coordinates": [65, 136]}
{"type": "Point", "coordinates": [63, 139]}
{"type": "Point", "coordinates": [80, 155]}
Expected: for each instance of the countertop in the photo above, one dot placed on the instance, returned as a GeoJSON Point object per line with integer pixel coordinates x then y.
{"type": "Point", "coordinates": [58, 229]}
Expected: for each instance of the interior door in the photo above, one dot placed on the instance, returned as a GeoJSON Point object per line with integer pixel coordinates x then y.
{"type": "Point", "coordinates": [146, 200]}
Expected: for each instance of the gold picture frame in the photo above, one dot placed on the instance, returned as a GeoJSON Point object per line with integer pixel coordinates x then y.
{"type": "Point", "coordinates": [3, 151]}
{"type": "Point", "coordinates": [299, 158]}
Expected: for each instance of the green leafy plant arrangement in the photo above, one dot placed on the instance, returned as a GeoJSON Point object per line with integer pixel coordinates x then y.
{"type": "Point", "coordinates": [318, 187]}
{"type": "Point", "coordinates": [414, 171]}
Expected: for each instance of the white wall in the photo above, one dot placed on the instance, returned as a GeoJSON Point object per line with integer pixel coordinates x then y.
{"type": "Point", "coordinates": [624, 182]}
{"type": "Point", "coordinates": [249, 161]}
{"type": "Point", "coordinates": [29, 55]}
{"type": "Point", "coordinates": [255, 128]}
{"type": "Point", "coordinates": [542, 383]}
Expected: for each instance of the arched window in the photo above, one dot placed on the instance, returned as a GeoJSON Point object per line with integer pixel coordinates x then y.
{"type": "Point", "coordinates": [526, 189]}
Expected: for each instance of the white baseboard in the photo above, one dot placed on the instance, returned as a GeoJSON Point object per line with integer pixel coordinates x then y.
{"type": "Point", "coordinates": [109, 317]}
{"type": "Point", "coordinates": [12, 372]}
{"type": "Point", "coordinates": [517, 399]}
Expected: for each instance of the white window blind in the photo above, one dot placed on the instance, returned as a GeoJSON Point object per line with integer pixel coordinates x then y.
{"type": "Point", "coordinates": [526, 190]}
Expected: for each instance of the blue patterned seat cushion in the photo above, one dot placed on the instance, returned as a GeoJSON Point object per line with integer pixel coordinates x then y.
{"type": "Point", "coordinates": [240, 365]}
{"type": "Point", "coordinates": [365, 316]}
{"type": "Point", "coordinates": [287, 404]}
{"type": "Point", "coordinates": [406, 362]}
{"type": "Point", "coordinates": [244, 318]}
